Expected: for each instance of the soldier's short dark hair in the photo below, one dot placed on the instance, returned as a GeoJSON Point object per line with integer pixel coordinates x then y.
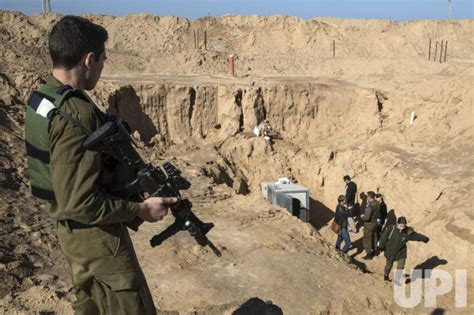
{"type": "Point", "coordinates": [73, 37]}
{"type": "Point", "coordinates": [402, 220]}
{"type": "Point", "coordinates": [371, 194]}
{"type": "Point", "coordinates": [341, 198]}
{"type": "Point", "coordinates": [346, 177]}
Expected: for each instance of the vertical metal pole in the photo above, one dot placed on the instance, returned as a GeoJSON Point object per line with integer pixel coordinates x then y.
{"type": "Point", "coordinates": [445, 50]}
{"type": "Point", "coordinates": [333, 48]}
{"type": "Point", "coordinates": [231, 65]}
{"type": "Point", "coordinates": [198, 43]}
{"type": "Point", "coordinates": [450, 9]}
{"type": "Point", "coordinates": [195, 42]}
{"type": "Point", "coordinates": [429, 50]}
{"type": "Point", "coordinates": [436, 51]}
{"type": "Point", "coordinates": [205, 40]}
{"type": "Point", "coordinates": [441, 51]}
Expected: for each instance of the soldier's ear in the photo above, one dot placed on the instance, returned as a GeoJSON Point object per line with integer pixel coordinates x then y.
{"type": "Point", "coordinates": [89, 59]}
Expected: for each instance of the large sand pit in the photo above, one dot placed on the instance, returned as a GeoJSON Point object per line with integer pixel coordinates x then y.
{"type": "Point", "coordinates": [348, 114]}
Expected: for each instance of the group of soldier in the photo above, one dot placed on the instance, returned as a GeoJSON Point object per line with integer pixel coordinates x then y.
{"type": "Point", "coordinates": [378, 236]}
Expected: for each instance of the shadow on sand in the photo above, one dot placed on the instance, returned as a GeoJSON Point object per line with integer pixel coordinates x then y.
{"type": "Point", "coordinates": [320, 215]}
{"type": "Point", "coordinates": [359, 247]}
{"type": "Point", "coordinates": [438, 311]}
{"type": "Point", "coordinates": [427, 266]}
{"type": "Point", "coordinates": [256, 306]}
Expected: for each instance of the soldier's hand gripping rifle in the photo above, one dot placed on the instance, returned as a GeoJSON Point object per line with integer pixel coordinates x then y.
{"type": "Point", "coordinates": [114, 139]}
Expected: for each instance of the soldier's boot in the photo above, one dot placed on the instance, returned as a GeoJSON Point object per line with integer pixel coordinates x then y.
{"type": "Point", "coordinates": [368, 256]}
{"type": "Point", "coordinates": [386, 278]}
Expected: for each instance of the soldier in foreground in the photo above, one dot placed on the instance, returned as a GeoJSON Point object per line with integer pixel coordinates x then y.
{"type": "Point", "coordinates": [393, 242]}
{"type": "Point", "coordinates": [80, 184]}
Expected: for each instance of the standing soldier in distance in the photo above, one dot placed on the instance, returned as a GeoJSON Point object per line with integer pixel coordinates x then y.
{"type": "Point", "coordinates": [383, 214]}
{"type": "Point", "coordinates": [372, 213]}
{"type": "Point", "coordinates": [78, 183]}
{"type": "Point", "coordinates": [363, 202]}
{"type": "Point", "coordinates": [362, 207]}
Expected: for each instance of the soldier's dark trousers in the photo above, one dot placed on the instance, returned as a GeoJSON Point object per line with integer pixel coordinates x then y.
{"type": "Point", "coordinates": [370, 237]}
{"type": "Point", "coordinates": [106, 275]}
{"type": "Point", "coordinates": [389, 265]}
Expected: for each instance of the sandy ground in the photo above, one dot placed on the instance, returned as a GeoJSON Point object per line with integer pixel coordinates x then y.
{"type": "Point", "coordinates": [347, 114]}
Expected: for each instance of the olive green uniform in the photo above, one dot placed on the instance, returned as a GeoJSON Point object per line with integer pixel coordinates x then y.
{"type": "Point", "coordinates": [107, 277]}
{"type": "Point", "coordinates": [394, 241]}
{"type": "Point", "coordinates": [372, 213]}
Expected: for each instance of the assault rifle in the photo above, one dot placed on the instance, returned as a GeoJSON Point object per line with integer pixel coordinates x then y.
{"type": "Point", "coordinates": [113, 138]}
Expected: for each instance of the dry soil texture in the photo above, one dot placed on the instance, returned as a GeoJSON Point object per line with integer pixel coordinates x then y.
{"type": "Point", "coordinates": [339, 92]}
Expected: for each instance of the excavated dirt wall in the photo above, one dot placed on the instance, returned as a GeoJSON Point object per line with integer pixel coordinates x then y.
{"type": "Point", "coordinates": [328, 128]}
{"type": "Point", "coordinates": [301, 112]}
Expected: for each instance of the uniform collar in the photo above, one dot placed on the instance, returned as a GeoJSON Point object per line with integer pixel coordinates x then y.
{"type": "Point", "coordinates": [51, 80]}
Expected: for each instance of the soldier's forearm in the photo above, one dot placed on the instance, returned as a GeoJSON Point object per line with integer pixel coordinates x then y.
{"type": "Point", "coordinates": [418, 237]}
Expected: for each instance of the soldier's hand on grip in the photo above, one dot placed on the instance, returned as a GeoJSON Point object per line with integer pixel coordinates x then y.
{"type": "Point", "coordinates": [155, 208]}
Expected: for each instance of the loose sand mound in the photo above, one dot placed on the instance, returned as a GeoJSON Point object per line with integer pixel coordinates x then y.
{"type": "Point", "coordinates": [348, 114]}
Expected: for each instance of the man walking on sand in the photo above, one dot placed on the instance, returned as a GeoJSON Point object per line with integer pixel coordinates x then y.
{"type": "Point", "coordinates": [351, 191]}
{"type": "Point", "coordinates": [340, 217]}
